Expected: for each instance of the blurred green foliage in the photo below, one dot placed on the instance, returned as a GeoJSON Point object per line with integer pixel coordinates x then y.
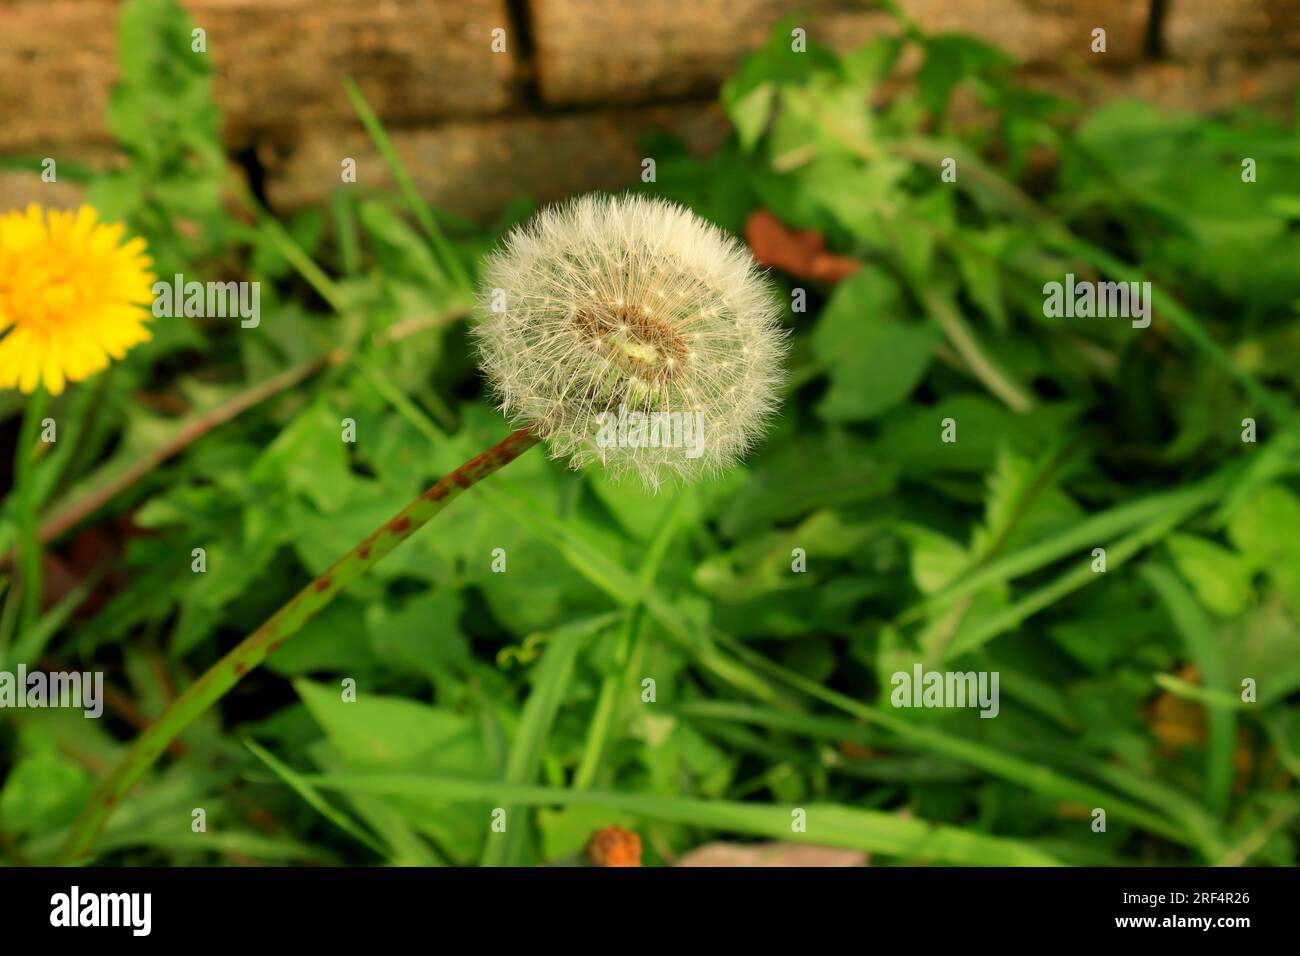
{"type": "Point", "coordinates": [476, 690]}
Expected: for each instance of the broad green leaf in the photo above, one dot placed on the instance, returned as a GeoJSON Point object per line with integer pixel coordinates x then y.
{"type": "Point", "coordinates": [1266, 530]}
{"type": "Point", "coordinates": [1220, 577]}
{"type": "Point", "coordinates": [378, 730]}
{"type": "Point", "coordinates": [875, 358]}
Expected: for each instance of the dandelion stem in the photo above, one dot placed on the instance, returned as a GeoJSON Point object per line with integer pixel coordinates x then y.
{"type": "Point", "coordinates": [104, 485]}
{"type": "Point", "coordinates": [29, 544]}
{"type": "Point", "coordinates": [282, 625]}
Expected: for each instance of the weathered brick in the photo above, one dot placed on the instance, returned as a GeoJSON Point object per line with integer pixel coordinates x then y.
{"type": "Point", "coordinates": [1188, 87]}
{"type": "Point", "coordinates": [18, 188]}
{"type": "Point", "coordinates": [590, 51]}
{"type": "Point", "coordinates": [474, 168]}
{"type": "Point", "coordinates": [277, 62]}
{"type": "Point", "coordinates": [1205, 29]}
{"type": "Point", "coordinates": [55, 73]}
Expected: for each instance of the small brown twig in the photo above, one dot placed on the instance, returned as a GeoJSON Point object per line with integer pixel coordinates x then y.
{"type": "Point", "coordinates": [76, 511]}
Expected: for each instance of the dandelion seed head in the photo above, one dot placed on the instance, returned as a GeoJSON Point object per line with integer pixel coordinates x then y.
{"type": "Point", "coordinates": [635, 304]}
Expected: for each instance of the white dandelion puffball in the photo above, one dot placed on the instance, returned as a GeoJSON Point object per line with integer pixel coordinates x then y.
{"type": "Point", "coordinates": [632, 333]}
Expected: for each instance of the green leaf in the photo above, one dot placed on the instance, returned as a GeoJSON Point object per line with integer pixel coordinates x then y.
{"type": "Point", "coordinates": [936, 560]}
{"type": "Point", "coordinates": [1023, 504]}
{"type": "Point", "coordinates": [750, 113]}
{"type": "Point", "coordinates": [782, 486]}
{"type": "Point", "coordinates": [376, 730]}
{"type": "Point", "coordinates": [875, 359]}
{"type": "Point", "coordinates": [330, 641]}
{"type": "Point", "coordinates": [980, 273]}
{"type": "Point", "coordinates": [639, 513]}
{"type": "Point", "coordinates": [951, 58]}
{"type": "Point", "coordinates": [1220, 577]}
{"type": "Point", "coordinates": [911, 436]}
{"type": "Point", "coordinates": [1266, 530]}
{"type": "Point", "coordinates": [309, 457]}
{"type": "Point", "coordinates": [42, 792]}
{"type": "Point", "coordinates": [423, 636]}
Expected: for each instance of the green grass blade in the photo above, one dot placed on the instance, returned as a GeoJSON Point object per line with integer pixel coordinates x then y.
{"type": "Point", "coordinates": [550, 684]}
{"type": "Point", "coordinates": [1087, 534]}
{"type": "Point", "coordinates": [1033, 776]}
{"type": "Point", "coordinates": [1203, 648]}
{"type": "Point", "coordinates": [419, 208]}
{"type": "Point", "coordinates": [1079, 577]}
{"type": "Point", "coordinates": [314, 798]}
{"type": "Point", "coordinates": [827, 824]}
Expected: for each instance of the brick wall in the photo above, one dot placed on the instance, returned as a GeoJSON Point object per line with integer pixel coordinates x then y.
{"type": "Point", "coordinates": [580, 82]}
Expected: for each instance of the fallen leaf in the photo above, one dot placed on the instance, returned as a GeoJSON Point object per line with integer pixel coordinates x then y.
{"type": "Point", "coordinates": [800, 252]}
{"type": "Point", "coordinates": [771, 854]}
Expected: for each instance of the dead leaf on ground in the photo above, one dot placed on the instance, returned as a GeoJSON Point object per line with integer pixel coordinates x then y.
{"type": "Point", "coordinates": [800, 252]}
{"type": "Point", "coordinates": [771, 854]}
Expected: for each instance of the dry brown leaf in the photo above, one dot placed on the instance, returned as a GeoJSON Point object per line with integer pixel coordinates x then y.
{"type": "Point", "coordinates": [800, 252]}
{"type": "Point", "coordinates": [771, 854]}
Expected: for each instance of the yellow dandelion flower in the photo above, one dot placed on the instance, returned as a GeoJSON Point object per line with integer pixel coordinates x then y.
{"type": "Point", "coordinates": [71, 296]}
